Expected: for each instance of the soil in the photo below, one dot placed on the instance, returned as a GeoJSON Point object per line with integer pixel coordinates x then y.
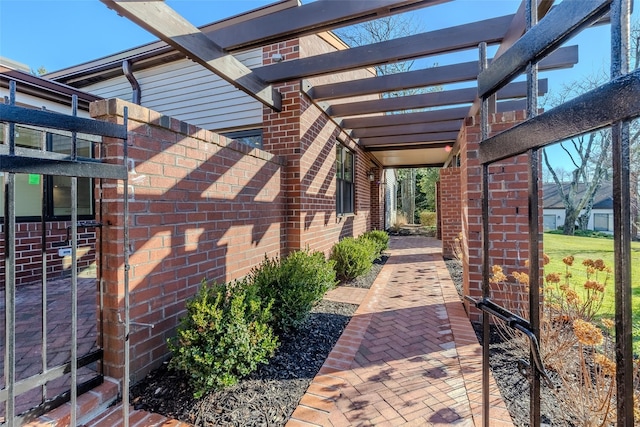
{"type": "Point", "coordinates": [269, 396]}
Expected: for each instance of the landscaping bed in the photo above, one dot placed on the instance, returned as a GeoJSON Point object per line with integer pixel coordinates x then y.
{"type": "Point", "coordinates": [268, 396]}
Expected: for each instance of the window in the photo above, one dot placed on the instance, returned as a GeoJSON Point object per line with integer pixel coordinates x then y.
{"type": "Point", "coordinates": [601, 222]}
{"type": "Point", "coordinates": [57, 189]}
{"type": "Point", "coordinates": [252, 137]}
{"type": "Point", "coordinates": [344, 181]}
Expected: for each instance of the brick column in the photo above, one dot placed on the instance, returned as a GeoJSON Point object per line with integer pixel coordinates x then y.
{"type": "Point", "coordinates": [281, 136]}
{"type": "Point", "coordinates": [508, 213]}
{"type": "Point", "coordinates": [449, 209]}
{"type": "Point", "coordinates": [306, 137]}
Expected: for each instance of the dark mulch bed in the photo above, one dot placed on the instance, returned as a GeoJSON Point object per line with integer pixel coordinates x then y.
{"type": "Point", "coordinates": [268, 396]}
{"type": "Point", "coordinates": [514, 387]}
{"type": "Point", "coordinates": [265, 398]}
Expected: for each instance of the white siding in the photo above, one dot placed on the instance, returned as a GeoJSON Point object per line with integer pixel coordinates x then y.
{"type": "Point", "coordinates": [390, 198]}
{"type": "Point", "coordinates": [187, 91]}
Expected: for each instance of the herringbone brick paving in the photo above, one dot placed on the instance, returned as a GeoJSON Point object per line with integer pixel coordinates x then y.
{"type": "Point", "coordinates": [409, 356]}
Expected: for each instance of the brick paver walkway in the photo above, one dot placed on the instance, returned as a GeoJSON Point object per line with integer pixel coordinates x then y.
{"type": "Point", "coordinates": [409, 356]}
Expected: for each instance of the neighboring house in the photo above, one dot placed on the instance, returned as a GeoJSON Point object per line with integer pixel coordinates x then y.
{"type": "Point", "coordinates": [601, 217]}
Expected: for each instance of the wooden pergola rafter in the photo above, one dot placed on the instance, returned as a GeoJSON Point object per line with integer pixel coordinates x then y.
{"type": "Point", "coordinates": [399, 123]}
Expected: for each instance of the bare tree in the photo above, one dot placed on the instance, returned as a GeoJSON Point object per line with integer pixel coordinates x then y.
{"type": "Point", "coordinates": [589, 157]}
{"type": "Point", "coordinates": [588, 160]}
{"type": "Point", "coordinates": [562, 174]}
{"type": "Point", "coordinates": [379, 30]}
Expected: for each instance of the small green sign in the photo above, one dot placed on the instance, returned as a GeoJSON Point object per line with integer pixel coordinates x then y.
{"type": "Point", "coordinates": [34, 179]}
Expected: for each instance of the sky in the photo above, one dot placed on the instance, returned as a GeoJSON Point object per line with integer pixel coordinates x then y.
{"type": "Point", "coordinates": [55, 34]}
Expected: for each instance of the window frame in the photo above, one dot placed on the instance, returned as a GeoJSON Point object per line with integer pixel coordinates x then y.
{"type": "Point", "coordinates": [47, 186]}
{"type": "Point", "coordinates": [243, 135]}
{"type": "Point", "coordinates": [342, 185]}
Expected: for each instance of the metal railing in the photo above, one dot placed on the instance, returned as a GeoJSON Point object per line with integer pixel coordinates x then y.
{"type": "Point", "coordinates": [612, 104]}
{"type": "Point", "coordinates": [14, 161]}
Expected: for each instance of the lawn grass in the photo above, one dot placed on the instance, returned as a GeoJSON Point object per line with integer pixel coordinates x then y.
{"type": "Point", "coordinates": [558, 246]}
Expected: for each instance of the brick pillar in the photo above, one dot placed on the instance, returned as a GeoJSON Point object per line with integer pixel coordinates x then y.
{"type": "Point", "coordinates": [449, 209]}
{"type": "Point", "coordinates": [111, 256]}
{"type": "Point", "coordinates": [281, 136]}
{"type": "Point", "coordinates": [508, 213]}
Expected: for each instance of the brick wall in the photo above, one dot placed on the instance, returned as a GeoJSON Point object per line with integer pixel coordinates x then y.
{"type": "Point", "coordinates": [28, 245]}
{"type": "Point", "coordinates": [321, 228]}
{"type": "Point", "coordinates": [449, 209]}
{"type": "Point", "coordinates": [508, 213]}
{"type": "Point", "coordinates": [306, 138]}
{"type": "Point", "coordinates": [201, 206]}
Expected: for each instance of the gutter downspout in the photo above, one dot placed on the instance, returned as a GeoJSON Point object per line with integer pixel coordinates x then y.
{"type": "Point", "coordinates": [128, 73]}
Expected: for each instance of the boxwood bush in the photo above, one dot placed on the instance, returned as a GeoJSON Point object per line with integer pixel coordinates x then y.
{"type": "Point", "coordinates": [353, 257]}
{"type": "Point", "coordinates": [293, 285]}
{"type": "Point", "coordinates": [381, 238]}
{"type": "Point", "coordinates": [223, 337]}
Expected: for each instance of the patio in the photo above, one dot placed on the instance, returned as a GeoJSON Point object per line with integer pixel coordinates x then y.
{"type": "Point", "coordinates": [409, 356]}
{"type": "Point", "coordinates": [29, 335]}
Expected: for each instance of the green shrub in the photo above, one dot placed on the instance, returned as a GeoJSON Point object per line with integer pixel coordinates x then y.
{"type": "Point", "coordinates": [353, 257]}
{"type": "Point", "coordinates": [294, 285]}
{"type": "Point", "coordinates": [223, 337]}
{"type": "Point", "coordinates": [428, 219]}
{"type": "Point", "coordinates": [381, 238]}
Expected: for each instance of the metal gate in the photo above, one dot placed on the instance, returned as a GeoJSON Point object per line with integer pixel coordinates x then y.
{"type": "Point", "coordinates": [18, 160]}
{"type": "Point", "coordinates": [610, 105]}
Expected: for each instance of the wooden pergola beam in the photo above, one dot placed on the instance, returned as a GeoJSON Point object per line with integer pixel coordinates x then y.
{"type": "Point", "coordinates": [467, 71]}
{"type": "Point", "coordinates": [408, 139]}
{"type": "Point", "coordinates": [451, 39]}
{"type": "Point", "coordinates": [446, 114]}
{"type": "Point", "coordinates": [165, 23]}
{"type": "Point", "coordinates": [562, 22]}
{"type": "Point", "coordinates": [429, 100]}
{"type": "Point", "coordinates": [398, 147]}
{"type": "Point", "coordinates": [311, 18]}
{"type": "Point", "coordinates": [416, 128]}
{"type": "Point", "coordinates": [516, 29]}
